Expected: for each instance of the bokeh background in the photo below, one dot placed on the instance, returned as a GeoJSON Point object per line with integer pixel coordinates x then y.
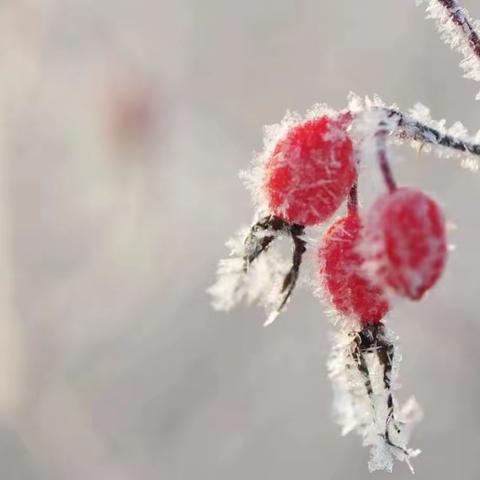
{"type": "Point", "coordinates": [123, 125]}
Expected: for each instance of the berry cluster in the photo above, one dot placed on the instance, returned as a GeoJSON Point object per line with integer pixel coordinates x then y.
{"type": "Point", "coordinates": [395, 248]}
{"type": "Point", "coordinates": [398, 246]}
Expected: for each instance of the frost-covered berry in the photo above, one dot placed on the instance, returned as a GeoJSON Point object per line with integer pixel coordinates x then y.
{"type": "Point", "coordinates": [341, 268]}
{"type": "Point", "coordinates": [406, 243]}
{"type": "Point", "coordinates": [310, 171]}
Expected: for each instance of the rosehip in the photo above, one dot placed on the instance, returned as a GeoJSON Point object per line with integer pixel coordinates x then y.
{"type": "Point", "coordinates": [310, 171]}
{"type": "Point", "coordinates": [406, 242]}
{"type": "Point", "coordinates": [341, 268]}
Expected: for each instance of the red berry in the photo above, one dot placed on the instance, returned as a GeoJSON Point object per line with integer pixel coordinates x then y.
{"type": "Point", "coordinates": [310, 171]}
{"type": "Point", "coordinates": [341, 267]}
{"type": "Point", "coordinates": [406, 240]}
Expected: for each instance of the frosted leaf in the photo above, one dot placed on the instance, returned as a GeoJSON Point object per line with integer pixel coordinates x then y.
{"type": "Point", "coordinates": [260, 284]}
{"type": "Point", "coordinates": [457, 34]}
{"type": "Point", "coordinates": [356, 411]}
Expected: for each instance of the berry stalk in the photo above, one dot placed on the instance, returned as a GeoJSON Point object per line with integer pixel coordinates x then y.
{"type": "Point", "coordinates": [352, 203]}
{"type": "Point", "coordinates": [387, 173]}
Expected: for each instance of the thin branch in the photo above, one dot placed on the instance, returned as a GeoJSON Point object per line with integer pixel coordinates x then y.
{"type": "Point", "coordinates": [415, 130]}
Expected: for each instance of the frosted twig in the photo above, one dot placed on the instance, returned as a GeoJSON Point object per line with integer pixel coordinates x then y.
{"type": "Point", "coordinates": [237, 280]}
{"type": "Point", "coordinates": [459, 31]}
{"type": "Point", "coordinates": [460, 17]}
{"type": "Point", "coordinates": [363, 369]}
{"type": "Point", "coordinates": [415, 130]}
{"type": "Point", "coordinates": [416, 127]}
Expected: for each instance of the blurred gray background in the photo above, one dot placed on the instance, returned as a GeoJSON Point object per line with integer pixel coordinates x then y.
{"type": "Point", "coordinates": [124, 124]}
